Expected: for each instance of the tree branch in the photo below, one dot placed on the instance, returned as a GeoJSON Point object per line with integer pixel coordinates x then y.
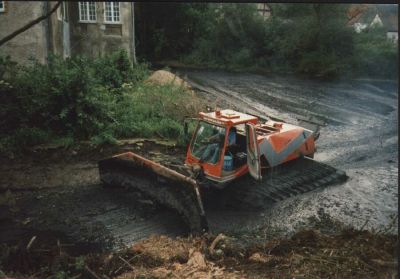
{"type": "Point", "coordinates": [29, 25]}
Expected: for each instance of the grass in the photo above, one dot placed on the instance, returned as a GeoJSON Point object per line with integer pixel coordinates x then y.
{"type": "Point", "coordinates": [152, 111]}
{"type": "Point", "coordinates": [101, 100]}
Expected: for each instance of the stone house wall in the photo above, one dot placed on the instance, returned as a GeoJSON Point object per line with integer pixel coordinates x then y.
{"type": "Point", "coordinates": [51, 35]}
{"type": "Point", "coordinates": [31, 43]}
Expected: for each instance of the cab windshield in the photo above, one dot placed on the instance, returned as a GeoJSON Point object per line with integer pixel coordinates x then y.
{"type": "Point", "coordinates": [208, 142]}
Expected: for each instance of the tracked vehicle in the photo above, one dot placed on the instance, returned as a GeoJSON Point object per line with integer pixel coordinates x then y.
{"type": "Point", "coordinates": [262, 162]}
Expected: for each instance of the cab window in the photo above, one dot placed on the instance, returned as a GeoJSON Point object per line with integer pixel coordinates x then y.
{"type": "Point", "coordinates": [208, 142]}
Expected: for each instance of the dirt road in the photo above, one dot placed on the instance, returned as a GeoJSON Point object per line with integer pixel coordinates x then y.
{"type": "Point", "coordinates": [360, 138]}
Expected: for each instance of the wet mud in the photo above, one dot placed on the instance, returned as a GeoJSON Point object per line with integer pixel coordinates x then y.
{"type": "Point", "coordinates": [52, 201]}
{"type": "Point", "coordinates": [57, 195]}
{"type": "Point", "coordinates": [360, 137]}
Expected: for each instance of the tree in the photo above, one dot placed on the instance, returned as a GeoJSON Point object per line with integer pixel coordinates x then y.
{"type": "Point", "coordinates": [29, 25]}
{"type": "Point", "coordinates": [313, 39]}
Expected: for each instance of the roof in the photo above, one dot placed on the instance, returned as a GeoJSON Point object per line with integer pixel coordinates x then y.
{"type": "Point", "coordinates": [355, 12]}
{"type": "Point", "coordinates": [228, 117]}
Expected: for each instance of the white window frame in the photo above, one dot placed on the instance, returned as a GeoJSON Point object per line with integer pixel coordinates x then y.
{"type": "Point", "coordinates": [87, 12]}
{"type": "Point", "coordinates": [263, 9]}
{"type": "Point", "coordinates": [112, 11]}
{"type": "Point", "coordinates": [3, 8]}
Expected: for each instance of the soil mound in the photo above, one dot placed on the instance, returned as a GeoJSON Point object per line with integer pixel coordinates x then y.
{"type": "Point", "coordinates": [162, 77]}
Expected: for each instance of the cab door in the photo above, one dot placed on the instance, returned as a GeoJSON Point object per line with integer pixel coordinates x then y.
{"type": "Point", "coordinates": [253, 152]}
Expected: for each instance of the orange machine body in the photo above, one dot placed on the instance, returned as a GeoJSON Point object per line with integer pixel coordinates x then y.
{"type": "Point", "coordinates": [277, 143]}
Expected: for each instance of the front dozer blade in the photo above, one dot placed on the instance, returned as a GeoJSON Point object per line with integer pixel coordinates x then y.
{"type": "Point", "coordinates": [164, 185]}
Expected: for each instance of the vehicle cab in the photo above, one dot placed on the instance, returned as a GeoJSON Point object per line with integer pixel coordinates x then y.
{"type": "Point", "coordinates": [219, 144]}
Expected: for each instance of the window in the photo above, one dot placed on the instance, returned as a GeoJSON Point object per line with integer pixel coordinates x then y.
{"type": "Point", "coordinates": [111, 12]}
{"type": "Point", "coordinates": [87, 11]}
{"type": "Point", "coordinates": [264, 10]}
{"type": "Point", "coordinates": [2, 7]}
{"type": "Point", "coordinates": [208, 142]}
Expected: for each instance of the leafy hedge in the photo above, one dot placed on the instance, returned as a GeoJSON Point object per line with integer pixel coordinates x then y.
{"type": "Point", "coordinates": [375, 55]}
{"type": "Point", "coordinates": [310, 39]}
{"type": "Point", "coordinates": [80, 98]}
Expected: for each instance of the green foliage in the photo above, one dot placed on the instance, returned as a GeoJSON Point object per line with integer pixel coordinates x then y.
{"type": "Point", "coordinates": [153, 110]}
{"type": "Point", "coordinates": [63, 96]}
{"type": "Point", "coordinates": [23, 137]}
{"type": "Point", "coordinates": [7, 67]}
{"type": "Point", "coordinates": [65, 141]}
{"type": "Point", "coordinates": [169, 31]}
{"type": "Point", "coordinates": [310, 39]}
{"type": "Point", "coordinates": [102, 138]}
{"type": "Point", "coordinates": [79, 98]}
{"type": "Point", "coordinates": [115, 69]}
{"type": "Point", "coordinates": [61, 275]}
{"type": "Point", "coordinates": [80, 263]}
{"type": "Point", "coordinates": [375, 56]}
{"type": "Point", "coordinates": [232, 38]}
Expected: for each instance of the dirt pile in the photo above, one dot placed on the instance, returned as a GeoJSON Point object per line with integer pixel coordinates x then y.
{"type": "Point", "coordinates": [182, 258]}
{"type": "Point", "coordinates": [185, 104]}
{"type": "Point", "coordinates": [352, 254]}
{"type": "Point", "coordinates": [162, 77]}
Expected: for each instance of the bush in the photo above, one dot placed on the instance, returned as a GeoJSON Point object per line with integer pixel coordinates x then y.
{"type": "Point", "coordinates": [101, 100]}
{"type": "Point", "coordinates": [7, 67]}
{"type": "Point", "coordinates": [63, 96]}
{"type": "Point", "coordinates": [241, 59]}
{"type": "Point", "coordinates": [116, 69]}
{"type": "Point", "coordinates": [233, 39]}
{"type": "Point", "coordinates": [375, 56]}
{"type": "Point", "coordinates": [308, 39]}
{"type": "Point", "coordinates": [23, 137]}
{"type": "Point", "coordinates": [105, 137]}
{"type": "Point", "coordinates": [153, 110]}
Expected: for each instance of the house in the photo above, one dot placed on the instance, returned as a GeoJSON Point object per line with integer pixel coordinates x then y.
{"type": "Point", "coordinates": [389, 18]}
{"type": "Point", "coordinates": [264, 10]}
{"type": "Point", "coordinates": [86, 28]}
{"type": "Point", "coordinates": [354, 15]}
{"type": "Point", "coordinates": [363, 16]}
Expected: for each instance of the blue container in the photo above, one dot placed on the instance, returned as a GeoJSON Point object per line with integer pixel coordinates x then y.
{"type": "Point", "coordinates": [228, 163]}
{"type": "Point", "coordinates": [232, 137]}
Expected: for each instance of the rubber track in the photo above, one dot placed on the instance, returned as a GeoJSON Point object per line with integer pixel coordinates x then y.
{"type": "Point", "coordinates": [291, 179]}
